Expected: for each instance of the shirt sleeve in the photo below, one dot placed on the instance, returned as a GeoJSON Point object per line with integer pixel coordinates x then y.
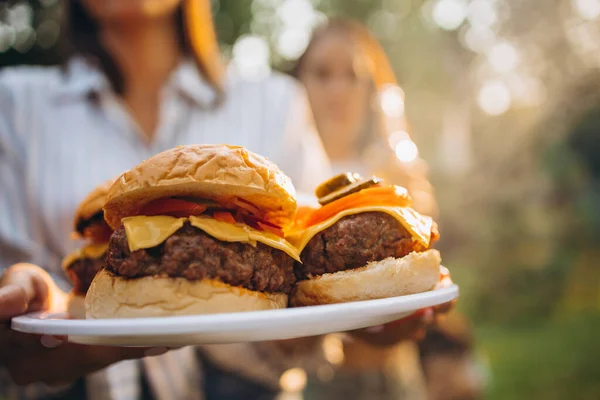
{"type": "Point", "coordinates": [15, 227]}
{"type": "Point", "coordinates": [302, 142]}
{"type": "Point", "coordinates": [16, 238]}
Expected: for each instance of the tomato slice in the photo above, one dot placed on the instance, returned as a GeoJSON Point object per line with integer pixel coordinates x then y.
{"type": "Point", "coordinates": [265, 226]}
{"type": "Point", "coordinates": [247, 206]}
{"type": "Point", "coordinates": [381, 196]}
{"type": "Point", "coordinates": [98, 232]}
{"type": "Point", "coordinates": [224, 216]}
{"type": "Point", "coordinates": [172, 207]}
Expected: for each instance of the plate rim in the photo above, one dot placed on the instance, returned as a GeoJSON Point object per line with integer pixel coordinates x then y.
{"type": "Point", "coordinates": [34, 323]}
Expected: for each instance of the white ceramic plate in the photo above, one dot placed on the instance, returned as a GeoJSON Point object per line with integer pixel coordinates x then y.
{"type": "Point", "coordinates": [233, 327]}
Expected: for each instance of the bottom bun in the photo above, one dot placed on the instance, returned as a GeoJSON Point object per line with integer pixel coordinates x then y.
{"type": "Point", "coordinates": [414, 273]}
{"type": "Point", "coordinates": [76, 306]}
{"type": "Point", "coordinates": [111, 296]}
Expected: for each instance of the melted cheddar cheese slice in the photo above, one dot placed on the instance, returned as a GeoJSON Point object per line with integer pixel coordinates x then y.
{"type": "Point", "coordinates": [145, 232]}
{"type": "Point", "coordinates": [418, 225]}
{"type": "Point", "coordinates": [90, 251]}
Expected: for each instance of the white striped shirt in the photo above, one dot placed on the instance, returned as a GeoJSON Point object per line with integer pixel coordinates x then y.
{"type": "Point", "coordinates": [62, 132]}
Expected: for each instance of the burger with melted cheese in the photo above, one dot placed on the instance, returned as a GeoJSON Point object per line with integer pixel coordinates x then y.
{"type": "Point", "coordinates": [198, 230]}
{"type": "Point", "coordinates": [364, 242]}
{"type": "Point", "coordinates": [82, 265]}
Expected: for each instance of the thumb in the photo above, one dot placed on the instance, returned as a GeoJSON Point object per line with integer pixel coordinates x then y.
{"type": "Point", "coordinates": [26, 284]}
{"type": "Point", "coordinates": [13, 301]}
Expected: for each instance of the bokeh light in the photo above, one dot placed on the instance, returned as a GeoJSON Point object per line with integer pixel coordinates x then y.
{"type": "Point", "coordinates": [494, 98]}
{"type": "Point", "coordinates": [296, 13]}
{"type": "Point", "coordinates": [383, 24]}
{"type": "Point", "coordinates": [24, 39]}
{"type": "Point", "coordinates": [251, 57]}
{"type": "Point", "coordinates": [482, 13]}
{"type": "Point", "coordinates": [396, 137]}
{"type": "Point", "coordinates": [587, 9]}
{"type": "Point", "coordinates": [503, 57]}
{"type": "Point", "coordinates": [477, 38]}
{"type": "Point", "coordinates": [449, 14]}
{"type": "Point", "coordinates": [7, 37]}
{"type": "Point", "coordinates": [293, 380]}
{"type": "Point", "coordinates": [391, 98]}
{"type": "Point", "coordinates": [406, 151]}
{"type": "Point", "coordinates": [19, 15]}
{"type": "Point", "coordinates": [333, 348]}
{"type": "Point", "coordinates": [48, 33]}
{"type": "Point", "coordinates": [292, 42]}
{"type": "Point", "coordinates": [526, 90]}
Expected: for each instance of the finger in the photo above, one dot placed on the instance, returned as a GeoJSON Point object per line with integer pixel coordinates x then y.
{"type": "Point", "coordinates": [428, 316]}
{"type": "Point", "coordinates": [33, 280]}
{"type": "Point", "coordinates": [50, 342]}
{"type": "Point", "coordinates": [19, 344]}
{"type": "Point", "coordinates": [13, 301]}
{"type": "Point", "coordinates": [445, 308]}
{"type": "Point", "coordinates": [394, 332]}
{"type": "Point", "coordinates": [70, 361]}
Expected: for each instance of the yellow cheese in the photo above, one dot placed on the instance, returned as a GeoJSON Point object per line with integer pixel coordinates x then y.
{"type": "Point", "coordinates": [145, 232]}
{"type": "Point", "coordinates": [90, 251]}
{"type": "Point", "coordinates": [222, 230]}
{"type": "Point", "coordinates": [418, 225]}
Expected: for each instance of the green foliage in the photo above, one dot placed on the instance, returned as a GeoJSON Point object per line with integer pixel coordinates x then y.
{"type": "Point", "coordinates": [550, 360]}
{"type": "Point", "coordinates": [232, 19]}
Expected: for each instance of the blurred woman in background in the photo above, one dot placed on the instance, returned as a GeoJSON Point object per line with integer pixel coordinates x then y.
{"type": "Point", "coordinates": [359, 113]}
{"type": "Point", "coordinates": [359, 108]}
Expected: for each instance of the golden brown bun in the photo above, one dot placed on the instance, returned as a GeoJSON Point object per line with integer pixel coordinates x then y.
{"type": "Point", "coordinates": [111, 296]}
{"type": "Point", "coordinates": [76, 306]}
{"type": "Point", "coordinates": [414, 273]}
{"type": "Point", "coordinates": [204, 171]}
{"type": "Point", "coordinates": [92, 204]}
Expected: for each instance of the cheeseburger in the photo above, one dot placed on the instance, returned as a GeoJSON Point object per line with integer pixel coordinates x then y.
{"type": "Point", "coordinates": [198, 229]}
{"type": "Point", "coordinates": [364, 242]}
{"type": "Point", "coordinates": [82, 265]}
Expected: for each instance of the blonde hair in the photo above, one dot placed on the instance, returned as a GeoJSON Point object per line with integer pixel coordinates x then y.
{"type": "Point", "coordinates": [200, 32]}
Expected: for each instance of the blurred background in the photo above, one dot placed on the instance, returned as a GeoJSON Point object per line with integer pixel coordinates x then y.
{"type": "Point", "coordinates": [503, 103]}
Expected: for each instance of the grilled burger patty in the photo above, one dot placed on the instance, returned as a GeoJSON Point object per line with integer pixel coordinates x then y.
{"type": "Point", "coordinates": [192, 254]}
{"type": "Point", "coordinates": [82, 272]}
{"type": "Point", "coordinates": [355, 240]}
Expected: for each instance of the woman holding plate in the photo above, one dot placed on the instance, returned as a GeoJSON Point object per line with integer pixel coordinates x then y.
{"type": "Point", "coordinates": [139, 77]}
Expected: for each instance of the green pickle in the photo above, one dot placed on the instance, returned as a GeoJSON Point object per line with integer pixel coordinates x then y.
{"type": "Point", "coordinates": [342, 185]}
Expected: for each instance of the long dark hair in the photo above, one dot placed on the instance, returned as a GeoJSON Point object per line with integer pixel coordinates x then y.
{"type": "Point", "coordinates": [195, 32]}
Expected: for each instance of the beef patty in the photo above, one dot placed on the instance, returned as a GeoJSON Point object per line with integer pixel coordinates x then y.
{"type": "Point", "coordinates": [192, 254]}
{"type": "Point", "coordinates": [355, 240]}
{"type": "Point", "coordinates": [82, 272]}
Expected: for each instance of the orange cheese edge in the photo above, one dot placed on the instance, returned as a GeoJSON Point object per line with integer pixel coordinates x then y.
{"type": "Point", "coordinates": [418, 225]}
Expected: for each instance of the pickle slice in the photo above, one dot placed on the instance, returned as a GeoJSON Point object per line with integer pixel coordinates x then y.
{"type": "Point", "coordinates": [349, 189]}
{"type": "Point", "coordinates": [336, 183]}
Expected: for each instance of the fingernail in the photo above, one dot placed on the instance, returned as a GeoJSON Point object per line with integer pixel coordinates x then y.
{"type": "Point", "coordinates": [428, 316]}
{"type": "Point", "coordinates": [375, 329]}
{"type": "Point", "coordinates": [50, 342]}
{"type": "Point", "coordinates": [155, 351]}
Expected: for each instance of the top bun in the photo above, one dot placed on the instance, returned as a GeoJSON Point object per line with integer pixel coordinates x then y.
{"type": "Point", "coordinates": [92, 204]}
{"type": "Point", "coordinates": [204, 171]}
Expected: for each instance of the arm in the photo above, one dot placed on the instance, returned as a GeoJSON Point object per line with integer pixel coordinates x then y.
{"type": "Point", "coordinates": [26, 287]}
